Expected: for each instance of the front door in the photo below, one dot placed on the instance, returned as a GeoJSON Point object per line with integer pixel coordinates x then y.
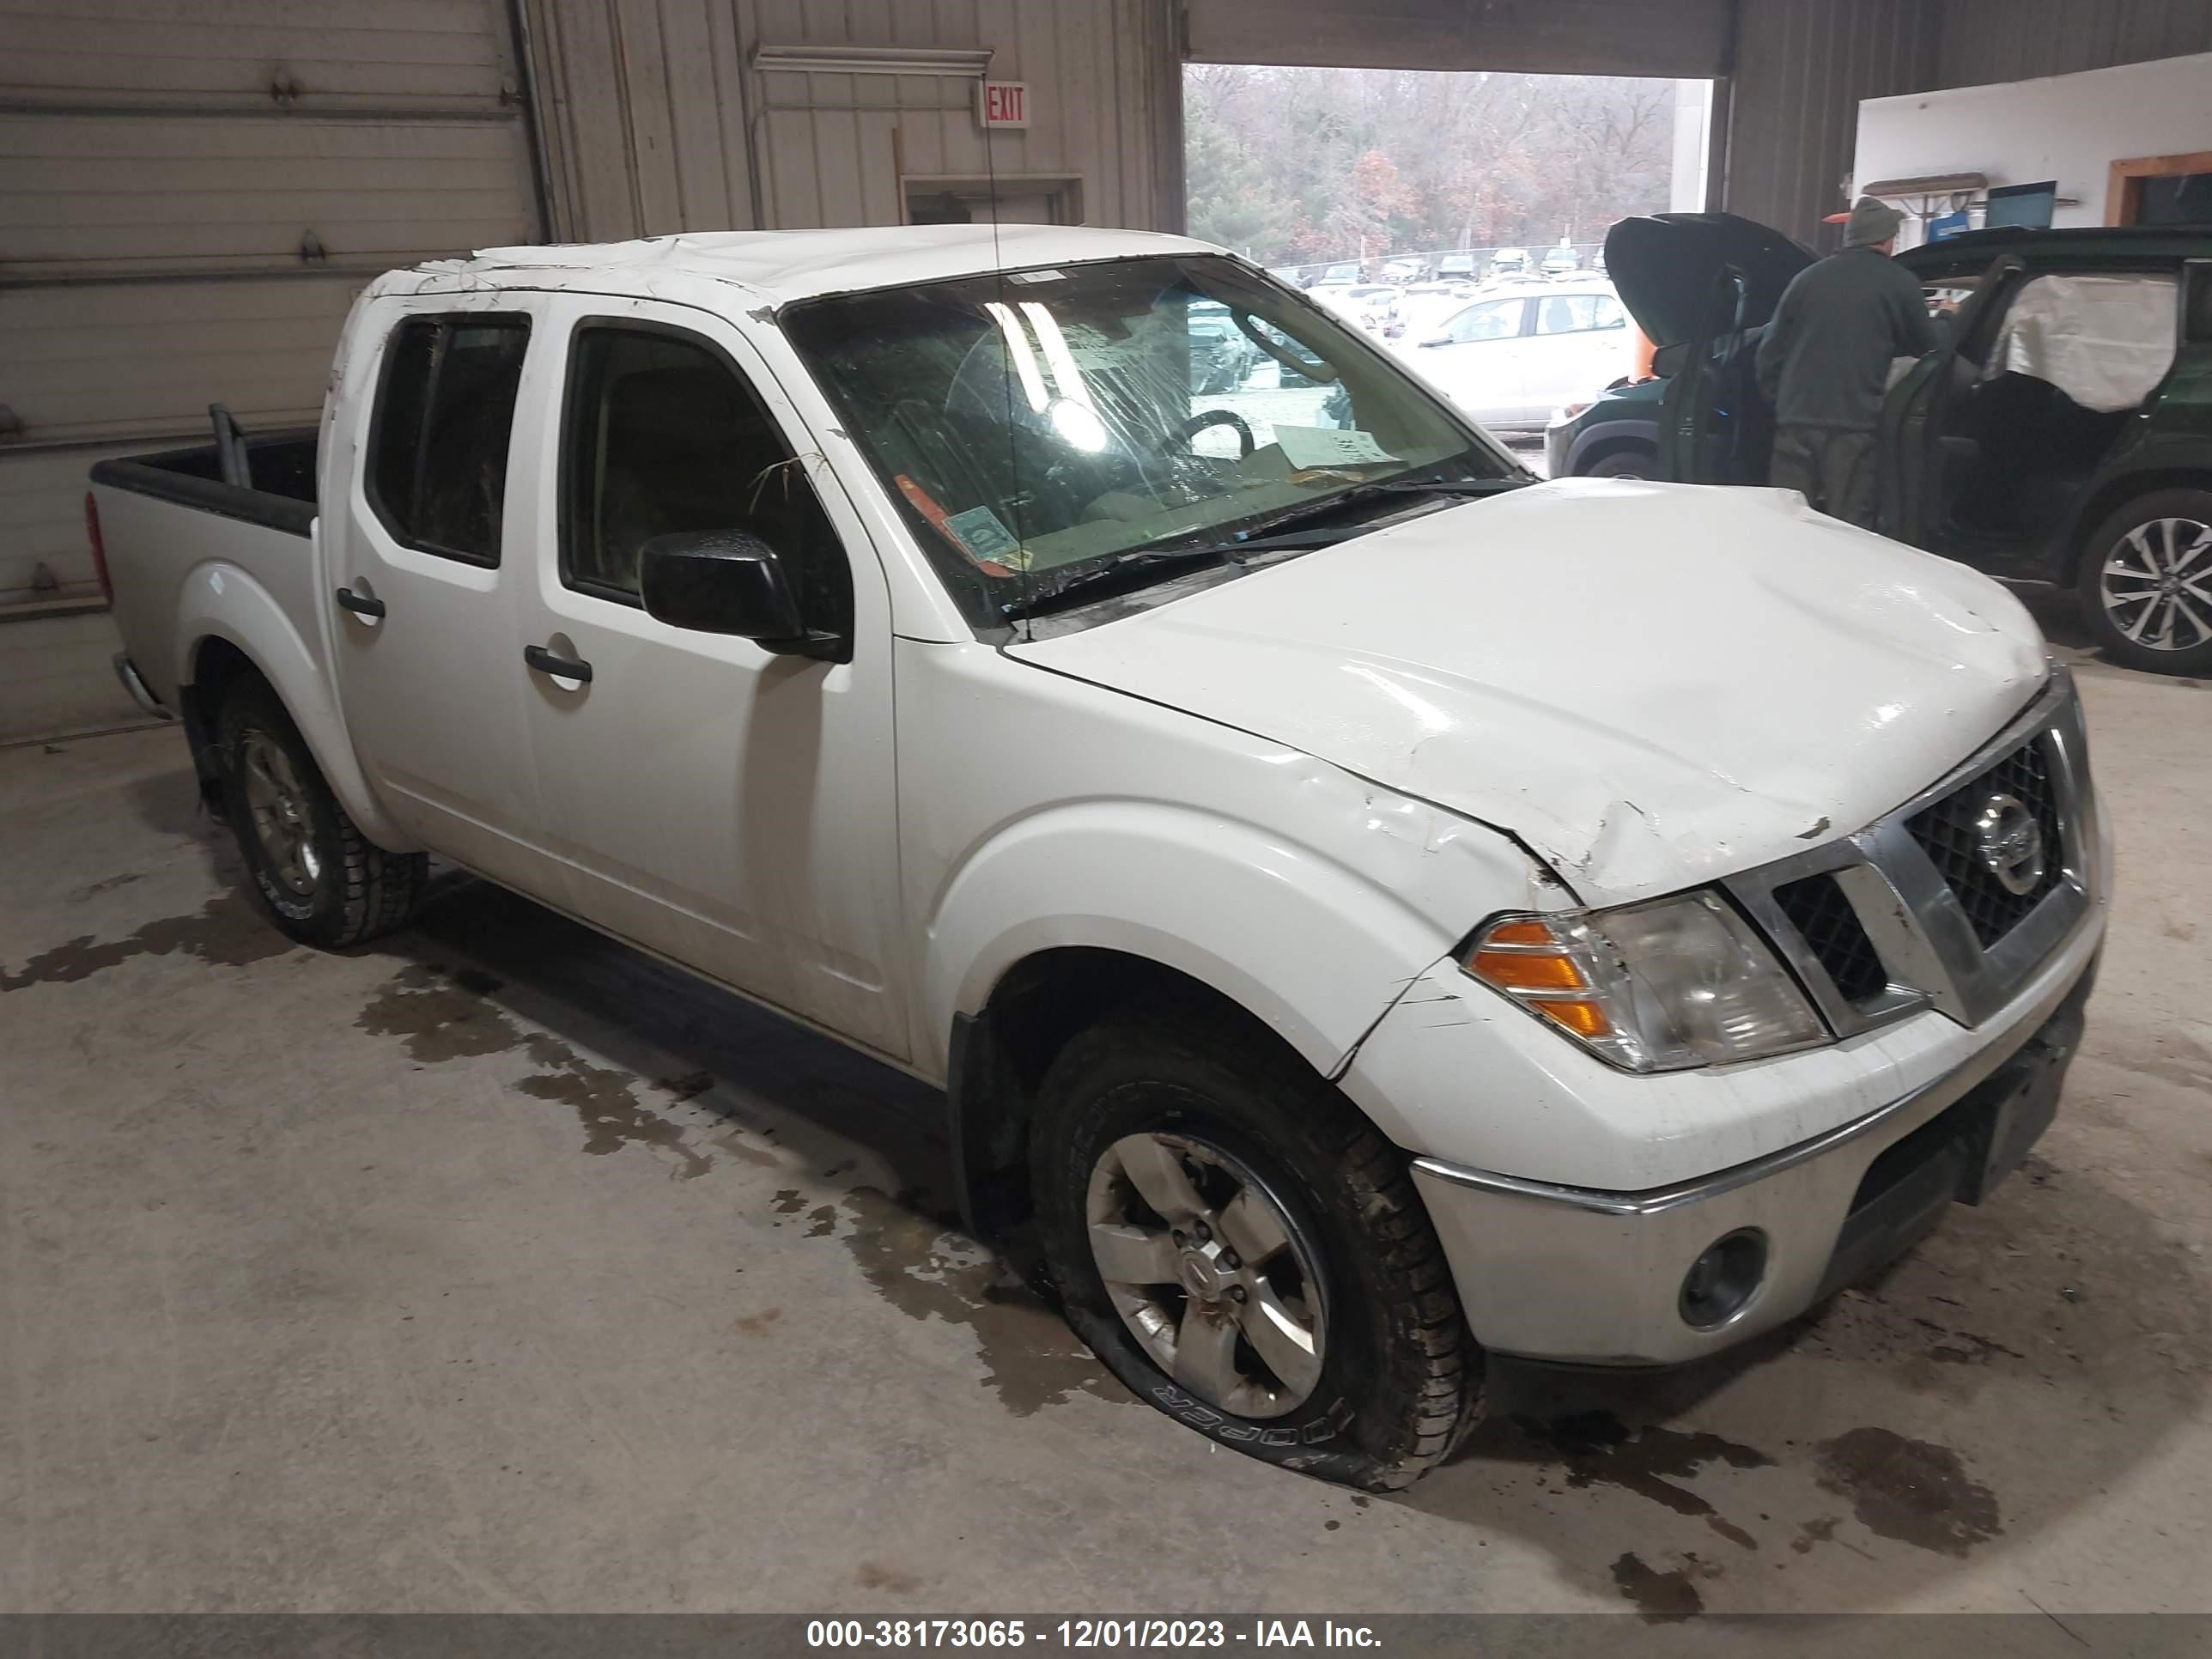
{"type": "Point", "coordinates": [1699, 439]}
{"type": "Point", "coordinates": [1918, 457]}
{"type": "Point", "coordinates": [1474, 359]}
{"type": "Point", "coordinates": [725, 805]}
{"type": "Point", "coordinates": [424, 599]}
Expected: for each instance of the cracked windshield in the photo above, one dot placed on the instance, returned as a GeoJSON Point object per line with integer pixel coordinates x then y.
{"type": "Point", "coordinates": [1038, 425]}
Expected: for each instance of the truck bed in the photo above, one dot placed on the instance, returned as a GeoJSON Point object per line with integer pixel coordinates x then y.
{"type": "Point", "coordinates": [280, 465]}
{"type": "Point", "coordinates": [184, 546]}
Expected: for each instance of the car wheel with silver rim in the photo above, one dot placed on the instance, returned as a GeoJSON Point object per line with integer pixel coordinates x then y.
{"type": "Point", "coordinates": [2146, 582]}
{"type": "Point", "coordinates": [320, 879]}
{"type": "Point", "coordinates": [1245, 1252]}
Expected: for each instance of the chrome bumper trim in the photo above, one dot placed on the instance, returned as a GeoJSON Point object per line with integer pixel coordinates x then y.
{"type": "Point", "coordinates": [1928, 1099]}
{"type": "Point", "coordinates": [126, 672]}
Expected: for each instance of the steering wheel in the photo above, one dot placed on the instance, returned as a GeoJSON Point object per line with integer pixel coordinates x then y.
{"type": "Point", "coordinates": [1198, 423]}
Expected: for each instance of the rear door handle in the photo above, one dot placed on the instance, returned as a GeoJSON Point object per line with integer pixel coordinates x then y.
{"type": "Point", "coordinates": [560, 667]}
{"type": "Point", "coordinates": [360, 604]}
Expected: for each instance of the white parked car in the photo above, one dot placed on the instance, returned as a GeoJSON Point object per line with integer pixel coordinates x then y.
{"type": "Point", "coordinates": [1367, 909]}
{"type": "Point", "coordinates": [1510, 358]}
{"type": "Point", "coordinates": [1561, 261]}
{"type": "Point", "coordinates": [1508, 261]}
{"type": "Point", "coordinates": [1372, 305]}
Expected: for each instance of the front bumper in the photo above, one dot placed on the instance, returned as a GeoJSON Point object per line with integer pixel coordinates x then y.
{"type": "Point", "coordinates": [1596, 1277]}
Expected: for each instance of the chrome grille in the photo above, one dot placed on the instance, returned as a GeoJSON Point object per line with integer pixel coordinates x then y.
{"type": "Point", "coordinates": [1946, 833]}
{"type": "Point", "coordinates": [1907, 914]}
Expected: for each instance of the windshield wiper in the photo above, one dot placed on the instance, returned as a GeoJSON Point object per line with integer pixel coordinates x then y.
{"type": "Point", "coordinates": [1132, 571]}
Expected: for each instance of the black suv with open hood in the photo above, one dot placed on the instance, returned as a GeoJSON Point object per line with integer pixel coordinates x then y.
{"type": "Point", "coordinates": [2063, 434]}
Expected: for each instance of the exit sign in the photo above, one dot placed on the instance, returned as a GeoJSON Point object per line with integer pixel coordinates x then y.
{"type": "Point", "coordinates": [1002, 103]}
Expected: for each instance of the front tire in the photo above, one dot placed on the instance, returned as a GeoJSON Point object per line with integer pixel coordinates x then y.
{"type": "Point", "coordinates": [1631, 463]}
{"type": "Point", "coordinates": [2146, 583]}
{"type": "Point", "coordinates": [320, 878]}
{"type": "Point", "coordinates": [1244, 1251]}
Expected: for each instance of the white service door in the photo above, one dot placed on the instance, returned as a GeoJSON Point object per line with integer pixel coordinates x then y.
{"type": "Point", "coordinates": [423, 569]}
{"type": "Point", "coordinates": [727, 806]}
{"type": "Point", "coordinates": [1478, 360]}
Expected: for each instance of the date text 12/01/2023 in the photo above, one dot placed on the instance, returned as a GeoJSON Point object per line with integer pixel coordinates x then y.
{"type": "Point", "coordinates": [1082, 1634]}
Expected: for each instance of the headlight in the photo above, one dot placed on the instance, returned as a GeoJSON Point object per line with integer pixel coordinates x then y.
{"type": "Point", "coordinates": [1661, 986]}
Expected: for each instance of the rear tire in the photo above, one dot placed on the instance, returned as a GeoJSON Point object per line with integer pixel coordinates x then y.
{"type": "Point", "coordinates": [318, 878]}
{"type": "Point", "coordinates": [2133, 569]}
{"type": "Point", "coordinates": [1362, 1370]}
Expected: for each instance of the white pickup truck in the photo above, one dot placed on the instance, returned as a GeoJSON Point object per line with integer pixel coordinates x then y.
{"type": "Point", "coordinates": [1367, 909]}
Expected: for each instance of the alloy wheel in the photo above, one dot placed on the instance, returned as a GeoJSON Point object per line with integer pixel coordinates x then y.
{"type": "Point", "coordinates": [2156, 584]}
{"type": "Point", "coordinates": [1209, 1272]}
{"type": "Point", "coordinates": [279, 809]}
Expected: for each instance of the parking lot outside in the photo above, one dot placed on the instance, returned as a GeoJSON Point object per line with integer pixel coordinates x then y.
{"type": "Point", "coordinates": [497, 1266]}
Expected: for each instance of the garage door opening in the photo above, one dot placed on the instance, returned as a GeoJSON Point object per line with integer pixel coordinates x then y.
{"type": "Point", "coordinates": [1396, 176]}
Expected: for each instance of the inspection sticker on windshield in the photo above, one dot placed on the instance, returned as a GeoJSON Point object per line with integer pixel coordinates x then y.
{"type": "Point", "coordinates": [986, 539]}
{"type": "Point", "coordinates": [1306, 446]}
{"type": "Point", "coordinates": [1036, 276]}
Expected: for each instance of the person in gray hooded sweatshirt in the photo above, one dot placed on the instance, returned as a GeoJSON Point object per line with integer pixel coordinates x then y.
{"type": "Point", "coordinates": [1825, 361]}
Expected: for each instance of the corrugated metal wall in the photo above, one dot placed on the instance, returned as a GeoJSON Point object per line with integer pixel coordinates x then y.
{"type": "Point", "coordinates": [1986, 41]}
{"type": "Point", "coordinates": [656, 120]}
{"type": "Point", "coordinates": [1800, 68]}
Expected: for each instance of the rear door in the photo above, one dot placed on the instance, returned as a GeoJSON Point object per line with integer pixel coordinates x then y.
{"type": "Point", "coordinates": [1476, 359]}
{"type": "Point", "coordinates": [1917, 454]}
{"type": "Point", "coordinates": [422, 577]}
{"type": "Point", "coordinates": [1580, 343]}
{"type": "Point", "coordinates": [727, 805]}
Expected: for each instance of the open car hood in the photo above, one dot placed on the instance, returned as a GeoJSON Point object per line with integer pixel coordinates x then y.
{"type": "Point", "coordinates": [1652, 685]}
{"type": "Point", "coordinates": [1663, 265]}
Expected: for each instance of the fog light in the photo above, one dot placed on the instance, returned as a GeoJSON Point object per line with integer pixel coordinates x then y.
{"type": "Point", "coordinates": [1722, 1282]}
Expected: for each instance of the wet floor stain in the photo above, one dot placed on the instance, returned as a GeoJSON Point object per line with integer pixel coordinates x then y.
{"type": "Point", "coordinates": [1599, 1450]}
{"type": "Point", "coordinates": [612, 1115]}
{"type": "Point", "coordinates": [93, 890]}
{"type": "Point", "coordinates": [228, 932]}
{"type": "Point", "coordinates": [1663, 1598]}
{"type": "Point", "coordinates": [1912, 1491]}
{"type": "Point", "coordinates": [1032, 1358]}
{"type": "Point", "coordinates": [1821, 1531]}
{"type": "Point", "coordinates": [755, 1324]}
{"type": "Point", "coordinates": [872, 1575]}
{"type": "Point", "coordinates": [440, 1015]}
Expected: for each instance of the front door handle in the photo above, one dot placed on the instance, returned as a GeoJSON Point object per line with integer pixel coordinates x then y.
{"type": "Point", "coordinates": [560, 667]}
{"type": "Point", "coordinates": [360, 604]}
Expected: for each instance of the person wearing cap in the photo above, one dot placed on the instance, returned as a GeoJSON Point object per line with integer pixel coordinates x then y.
{"type": "Point", "coordinates": [1824, 362]}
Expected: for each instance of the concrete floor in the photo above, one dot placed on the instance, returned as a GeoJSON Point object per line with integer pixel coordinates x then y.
{"type": "Point", "coordinates": [495, 1268]}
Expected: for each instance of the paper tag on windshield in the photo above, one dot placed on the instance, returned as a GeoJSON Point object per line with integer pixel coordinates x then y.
{"type": "Point", "coordinates": [1306, 447]}
{"type": "Point", "coordinates": [986, 539]}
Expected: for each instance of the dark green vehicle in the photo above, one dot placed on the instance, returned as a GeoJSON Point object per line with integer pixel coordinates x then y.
{"type": "Point", "coordinates": [2063, 435]}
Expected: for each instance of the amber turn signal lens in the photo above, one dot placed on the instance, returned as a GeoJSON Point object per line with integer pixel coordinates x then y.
{"type": "Point", "coordinates": [1584, 1019]}
{"type": "Point", "coordinates": [1510, 970]}
{"type": "Point", "coordinates": [1521, 932]}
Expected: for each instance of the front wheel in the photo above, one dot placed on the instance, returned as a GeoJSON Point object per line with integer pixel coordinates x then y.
{"type": "Point", "coordinates": [320, 879]}
{"type": "Point", "coordinates": [2146, 583]}
{"type": "Point", "coordinates": [1631, 463]}
{"type": "Point", "coordinates": [1244, 1250]}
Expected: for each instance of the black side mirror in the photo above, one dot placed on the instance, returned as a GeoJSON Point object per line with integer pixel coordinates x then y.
{"type": "Point", "coordinates": [727, 581]}
{"type": "Point", "coordinates": [1666, 361]}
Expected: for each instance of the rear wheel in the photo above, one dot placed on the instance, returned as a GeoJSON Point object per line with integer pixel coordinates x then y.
{"type": "Point", "coordinates": [2146, 582]}
{"type": "Point", "coordinates": [321, 880]}
{"type": "Point", "coordinates": [1244, 1251]}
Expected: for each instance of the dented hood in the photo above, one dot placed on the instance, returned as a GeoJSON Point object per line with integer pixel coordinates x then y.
{"type": "Point", "coordinates": [1652, 685]}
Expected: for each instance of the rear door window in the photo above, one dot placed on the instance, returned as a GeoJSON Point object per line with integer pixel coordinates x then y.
{"type": "Point", "coordinates": [438, 441]}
